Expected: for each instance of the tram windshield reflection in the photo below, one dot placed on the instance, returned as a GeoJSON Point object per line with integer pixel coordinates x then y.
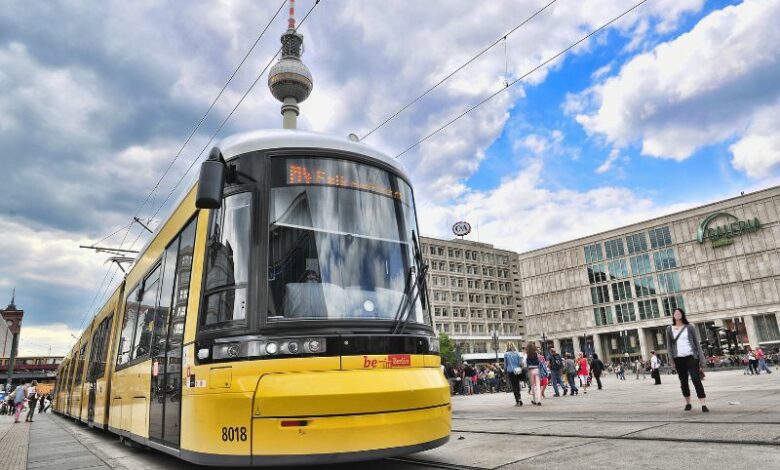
{"type": "Point", "coordinates": [340, 244]}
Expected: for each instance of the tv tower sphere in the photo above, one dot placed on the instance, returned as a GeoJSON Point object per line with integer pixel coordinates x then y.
{"type": "Point", "coordinates": [290, 78]}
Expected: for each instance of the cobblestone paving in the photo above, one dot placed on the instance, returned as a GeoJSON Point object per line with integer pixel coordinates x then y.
{"type": "Point", "coordinates": [13, 443]}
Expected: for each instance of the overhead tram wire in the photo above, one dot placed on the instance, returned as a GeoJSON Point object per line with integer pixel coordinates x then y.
{"type": "Point", "coordinates": [522, 77]}
{"type": "Point", "coordinates": [464, 65]}
{"type": "Point", "coordinates": [222, 125]}
{"type": "Point", "coordinates": [178, 154]}
{"type": "Point", "coordinates": [203, 118]}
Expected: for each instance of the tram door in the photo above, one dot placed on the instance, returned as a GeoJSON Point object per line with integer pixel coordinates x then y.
{"type": "Point", "coordinates": [166, 353]}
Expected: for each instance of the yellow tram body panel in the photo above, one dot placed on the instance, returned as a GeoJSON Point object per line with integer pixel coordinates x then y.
{"type": "Point", "coordinates": [130, 391]}
{"type": "Point", "coordinates": [347, 408]}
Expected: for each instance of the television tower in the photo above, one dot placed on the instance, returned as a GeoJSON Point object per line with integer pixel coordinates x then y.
{"type": "Point", "coordinates": [289, 79]}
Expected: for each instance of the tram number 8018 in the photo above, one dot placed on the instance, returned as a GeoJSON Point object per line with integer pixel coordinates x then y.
{"type": "Point", "coordinates": [234, 434]}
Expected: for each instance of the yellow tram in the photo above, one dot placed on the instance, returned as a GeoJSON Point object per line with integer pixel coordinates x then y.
{"type": "Point", "coordinates": [277, 316]}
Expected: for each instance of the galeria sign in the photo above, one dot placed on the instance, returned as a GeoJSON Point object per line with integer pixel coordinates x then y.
{"type": "Point", "coordinates": [730, 227]}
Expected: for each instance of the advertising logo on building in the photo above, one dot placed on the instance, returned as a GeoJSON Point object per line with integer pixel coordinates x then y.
{"type": "Point", "coordinates": [461, 228]}
{"type": "Point", "coordinates": [720, 228]}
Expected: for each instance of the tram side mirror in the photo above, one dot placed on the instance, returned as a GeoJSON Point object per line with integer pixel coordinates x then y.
{"type": "Point", "coordinates": [211, 182]}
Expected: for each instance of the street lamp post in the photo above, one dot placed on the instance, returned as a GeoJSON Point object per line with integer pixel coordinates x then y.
{"type": "Point", "coordinates": [495, 343]}
{"type": "Point", "coordinates": [544, 345]}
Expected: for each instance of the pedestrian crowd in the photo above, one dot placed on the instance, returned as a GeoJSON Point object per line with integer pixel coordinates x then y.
{"type": "Point", "coordinates": [25, 398]}
{"type": "Point", "coordinates": [534, 371]}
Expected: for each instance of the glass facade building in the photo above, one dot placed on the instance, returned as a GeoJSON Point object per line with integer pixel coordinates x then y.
{"type": "Point", "coordinates": [614, 293]}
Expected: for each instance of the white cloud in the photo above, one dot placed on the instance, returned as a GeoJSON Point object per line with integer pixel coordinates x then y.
{"type": "Point", "coordinates": [614, 154]}
{"type": "Point", "coordinates": [521, 214]}
{"type": "Point", "coordinates": [757, 152]}
{"type": "Point", "coordinates": [40, 340]}
{"type": "Point", "coordinates": [704, 87]}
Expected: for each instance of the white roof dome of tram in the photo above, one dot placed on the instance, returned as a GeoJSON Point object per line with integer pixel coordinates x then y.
{"type": "Point", "coordinates": [290, 138]}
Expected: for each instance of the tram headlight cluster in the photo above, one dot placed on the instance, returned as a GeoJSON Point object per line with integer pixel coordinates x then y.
{"type": "Point", "coordinates": [433, 344]}
{"type": "Point", "coordinates": [267, 347]}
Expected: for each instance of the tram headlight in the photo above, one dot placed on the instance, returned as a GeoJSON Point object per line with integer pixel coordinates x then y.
{"type": "Point", "coordinates": [227, 350]}
{"type": "Point", "coordinates": [292, 347]}
{"type": "Point", "coordinates": [315, 345]}
{"type": "Point", "coordinates": [271, 348]}
{"type": "Point", "coordinates": [433, 344]}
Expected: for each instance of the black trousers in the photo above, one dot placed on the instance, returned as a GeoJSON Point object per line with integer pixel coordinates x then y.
{"type": "Point", "coordinates": [686, 366]}
{"type": "Point", "coordinates": [514, 379]}
{"type": "Point", "coordinates": [598, 379]}
{"type": "Point", "coordinates": [656, 374]}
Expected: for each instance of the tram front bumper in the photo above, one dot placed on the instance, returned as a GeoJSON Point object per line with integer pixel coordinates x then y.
{"type": "Point", "coordinates": [350, 413]}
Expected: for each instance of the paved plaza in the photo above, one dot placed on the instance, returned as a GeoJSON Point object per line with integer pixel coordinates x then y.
{"type": "Point", "coordinates": [631, 424]}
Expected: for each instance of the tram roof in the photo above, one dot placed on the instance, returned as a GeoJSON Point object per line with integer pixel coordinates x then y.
{"type": "Point", "coordinates": [287, 138]}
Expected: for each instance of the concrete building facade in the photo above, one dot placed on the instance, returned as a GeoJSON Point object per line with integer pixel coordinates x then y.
{"type": "Point", "coordinates": [474, 291]}
{"type": "Point", "coordinates": [613, 293]}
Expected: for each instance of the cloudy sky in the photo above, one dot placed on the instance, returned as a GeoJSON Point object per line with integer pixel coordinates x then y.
{"type": "Point", "coordinates": [674, 105]}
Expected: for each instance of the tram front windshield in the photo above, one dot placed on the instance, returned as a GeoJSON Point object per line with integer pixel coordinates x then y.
{"type": "Point", "coordinates": [341, 242]}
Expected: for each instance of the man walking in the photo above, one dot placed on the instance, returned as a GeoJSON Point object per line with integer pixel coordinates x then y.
{"type": "Point", "coordinates": [655, 365]}
{"type": "Point", "coordinates": [597, 367]}
{"type": "Point", "coordinates": [556, 372]}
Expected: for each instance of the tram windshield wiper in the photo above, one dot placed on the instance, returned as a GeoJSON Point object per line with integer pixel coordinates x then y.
{"type": "Point", "coordinates": [415, 288]}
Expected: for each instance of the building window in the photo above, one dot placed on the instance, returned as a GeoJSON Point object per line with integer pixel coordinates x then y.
{"type": "Point", "coordinates": [641, 265]}
{"type": "Point", "coordinates": [593, 253]}
{"type": "Point", "coordinates": [672, 302]}
{"type": "Point", "coordinates": [648, 309]}
{"type": "Point", "coordinates": [766, 327]}
{"type": "Point", "coordinates": [618, 269]}
{"type": "Point", "coordinates": [625, 312]}
{"type": "Point", "coordinates": [660, 237]}
{"type": "Point", "coordinates": [669, 283]}
{"type": "Point", "coordinates": [603, 315]}
{"type": "Point", "coordinates": [597, 273]}
{"type": "Point", "coordinates": [599, 294]}
{"type": "Point", "coordinates": [621, 290]}
{"type": "Point", "coordinates": [636, 243]}
{"type": "Point", "coordinates": [614, 248]}
{"type": "Point", "coordinates": [664, 259]}
{"type": "Point", "coordinates": [644, 286]}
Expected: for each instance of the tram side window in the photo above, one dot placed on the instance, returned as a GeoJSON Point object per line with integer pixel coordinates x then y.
{"type": "Point", "coordinates": [128, 328]}
{"type": "Point", "coordinates": [146, 313]}
{"type": "Point", "coordinates": [97, 356]}
{"type": "Point", "coordinates": [80, 366]}
{"type": "Point", "coordinates": [174, 293]}
{"type": "Point", "coordinates": [227, 262]}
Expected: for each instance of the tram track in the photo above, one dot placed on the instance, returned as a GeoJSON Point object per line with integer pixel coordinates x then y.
{"type": "Point", "coordinates": [606, 421]}
{"type": "Point", "coordinates": [770, 441]}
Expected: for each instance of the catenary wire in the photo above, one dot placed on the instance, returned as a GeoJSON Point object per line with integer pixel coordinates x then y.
{"type": "Point", "coordinates": [203, 118]}
{"type": "Point", "coordinates": [522, 77]}
{"type": "Point", "coordinates": [465, 64]}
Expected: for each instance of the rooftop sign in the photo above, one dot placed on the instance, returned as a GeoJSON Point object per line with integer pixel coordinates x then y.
{"type": "Point", "coordinates": [723, 235]}
{"type": "Point", "coordinates": [461, 228]}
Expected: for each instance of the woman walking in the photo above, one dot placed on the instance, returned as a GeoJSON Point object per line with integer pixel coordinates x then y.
{"type": "Point", "coordinates": [684, 347]}
{"type": "Point", "coordinates": [582, 371]}
{"type": "Point", "coordinates": [32, 397]}
{"type": "Point", "coordinates": [532, 362]}
{"type": "Point", "coordinates": [514, 368]}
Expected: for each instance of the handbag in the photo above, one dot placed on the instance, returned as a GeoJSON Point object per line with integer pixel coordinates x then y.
{"type": "Point", "coordinates": [517, 370]}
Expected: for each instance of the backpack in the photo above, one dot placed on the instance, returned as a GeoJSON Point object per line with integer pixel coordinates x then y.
{"type": "Point", "coordinates": [557, 362]}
